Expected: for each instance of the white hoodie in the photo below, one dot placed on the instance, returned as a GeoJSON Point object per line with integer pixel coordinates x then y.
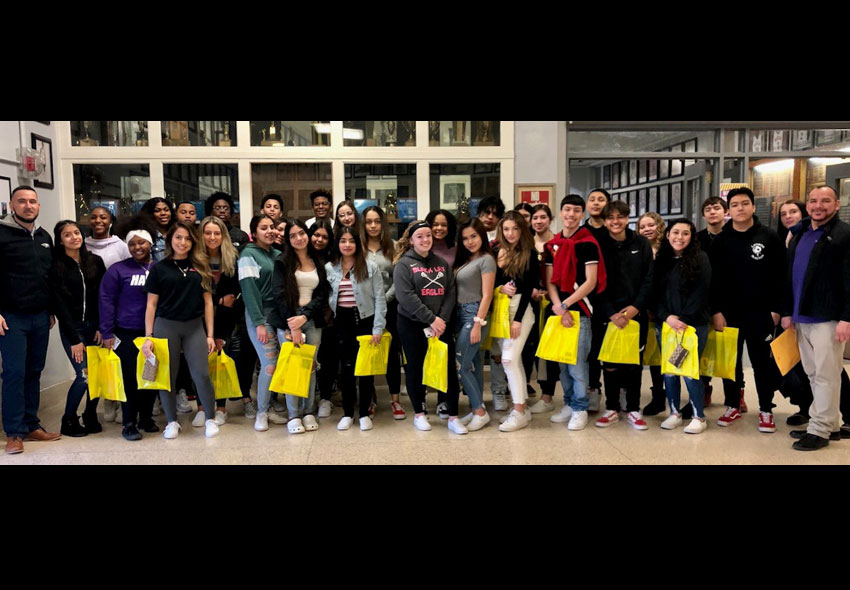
{"type": "Point", "coordinates": [111, 249]}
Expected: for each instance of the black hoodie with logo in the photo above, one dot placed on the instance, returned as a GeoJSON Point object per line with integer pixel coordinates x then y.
{"type": "Point", "coordinates": [424, 287]}
{"type": "Point", "coordinates": [25, 261]}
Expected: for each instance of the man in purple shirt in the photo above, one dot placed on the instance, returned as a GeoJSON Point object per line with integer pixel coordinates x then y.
{"type": "Point", "coordinates": [817, 306]}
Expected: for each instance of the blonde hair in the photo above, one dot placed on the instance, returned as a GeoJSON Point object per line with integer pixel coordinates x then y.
{"type": "Point", "coordinates": [517, 255]}
{"type": "Point", "coordinates": [229, 253]}
{"type": "Point", "coordinates": [404, 244]}
{"type": "Point", "coordinates": [660, 228]}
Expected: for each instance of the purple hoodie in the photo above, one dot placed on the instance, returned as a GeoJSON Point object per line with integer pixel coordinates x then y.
{"type": "Point", "coordinates": [123, 298]}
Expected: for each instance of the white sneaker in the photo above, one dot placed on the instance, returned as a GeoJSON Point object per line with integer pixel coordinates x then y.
{"type": "Point", "coordinates": [171, 430]}
{"type": "Point", "coordinates": [563, 416]}
{"type": "Point", "coordinates": [578, 421]}
{"type": "Point", "coordinates": [276, 418]}
{"type": "Point", "coordinates": [183, 405]}
{"type": "Point", "coordinates": [467, 419]}
{"type": "Point", "coordinates": [672, 421]}
{"type": "Point", "coordinates": [220, 417]}
{"type": "Point", "coordinates": [500, 402]}
{"type": "Point", "coordinates": [421, 423]}
{"type": "Point", "coordinates": [212, 429]}
{"type": "Point", "coordinates": [542, 406]}
{"type": "Point", "coordinates": [345, 423]}
{"type": "Point", "coordinates": [326, 408]}
{"type": "Point", "coordinates": [696, 426]}
{"type": "Point", "coordinates": [157, 407]}
{"type": "Point", "coordinates": [365, 423]}
{"type": "Point", "coordinates": [109, 410]}
{"type": "Point", "coordinates": [637, 421]}
{"type": "Point", "coordinates": [515, 421]}
{"type": "Point", "coordinates": [261, 424]}
{"type": "Point", "coordinates": [278, 406]}
{"type": "Point", "coordinates": [310, 422]}
{"type": "Point", "coordinates": [457, 427]}
{"type": "Point", "coordinates": [295, 426]}
{"type": "Point", "coordinates": [478, 422]}
{"type": "Point", "coordinates": [199, 419]}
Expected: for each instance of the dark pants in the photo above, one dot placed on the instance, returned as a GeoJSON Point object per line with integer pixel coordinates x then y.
{"type": "Point", "coordinates": [80, 385]}
{"type": "Point", "coordinates": [349, 326]}
{"type": "Point", "coordinates": [597, 334]}
{"type": "Point", "coordinates": [328, 359]}
{"type": "Point", "coordinates": [138, 408]}
{"type": "Point", "coordinates": [755, 329]}
{"type": "Point", "coordinates": [415, 346]}
{"type": "Point", "coordinates": [394, 362]}
{"type": "Point", "coordinates": [553, 371]}
{"type": "Point", "coordinates": [244, 357]}
{"type": "Point", "coordinates": [619, 376]}
{"type": "Point", "coordinates": [658, 395]}
{"type": "Point", "coordinates": [24, 351]}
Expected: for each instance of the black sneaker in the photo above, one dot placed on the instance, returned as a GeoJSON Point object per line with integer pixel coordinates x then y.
{"type": "Point", "coordinates": [797, 419]}
{"type": "Point", "coordinates": [810, 442]}
{"type": "Point", "coordinates": [443, 411]}
{"type": "Point", "coordinates": [799, 434]}
{"type": "Point", "coordinates": [131, 433]}
{"type": "Point", "coordinates": [149, 426]}
{"type": "Point", "coordinates": [72, 427]}
{"type": "Point", "coordinates": [687, 413]}
{"type": "Point", "coordinates": [845, 431]}
{"type": "Point", "coordinates": [654, 408]}
{"type": "Point", "coordinates": [91, 423]}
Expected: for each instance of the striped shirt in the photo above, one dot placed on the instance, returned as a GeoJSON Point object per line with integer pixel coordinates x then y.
{"type": "Point", "coordinates": [346, 293]}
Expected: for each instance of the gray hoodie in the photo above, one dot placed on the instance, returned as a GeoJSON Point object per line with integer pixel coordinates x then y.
{"type": "Point", "coordinates": [424, 287]}
{"type": "Point", "coordinates": [111, 249]}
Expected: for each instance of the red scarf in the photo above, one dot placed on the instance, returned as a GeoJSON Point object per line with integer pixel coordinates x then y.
{"type": "Point", "coordinates": [565, 263]}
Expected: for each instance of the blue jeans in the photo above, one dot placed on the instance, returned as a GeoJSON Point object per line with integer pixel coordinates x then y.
{"type": "Point", "coordinates": [267, 354]}
{"type": "Point", "coordinates": [673, 385]}
{"type": "Point", "coordinates": [80, 386]}
{"type": "Point", "coordinates": [24, 351]}
{"type": "Point", "coordinates": [574, 378]}
{"type": "Point", "coordinates": [471, 368]}
{"type": "Point", "coordinates": [298, 407]}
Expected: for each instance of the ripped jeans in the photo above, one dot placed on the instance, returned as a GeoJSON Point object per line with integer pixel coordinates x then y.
{"type": "Point", "coordinates": [267, 354]}
{"type": "Point", "coordinates": [470, 367]}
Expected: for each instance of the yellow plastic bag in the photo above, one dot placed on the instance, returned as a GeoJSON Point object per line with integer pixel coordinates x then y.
{"type": "Point", "coordinates": [372, 360]}
{"type": "Point", "coordinates": [720, 356]}
{"type": "Point", "coordinates": [621, 346]}
{"type": "Point", "coordinates": [786, 352]}
{"type": "Point", "coordinates": [223, 376]}
{"type": "Point", "coordinates": [104, 374]}
{"type": "Point", "coordinates": [435, 371]}
{"type": "Point", "coordinates": [669, 339]}
{"type": "Point", "coordinates": [544, 303]}
{"type": "Point", "coordinates": [500, 321]}
{"type": "Point", "coordinates": [163, 372]}
{"type": "Point", "coordinates": [651, 353]}
{"type": "Point", "coordinates": [557, 343]}
{"type": "Point", "coordinates": [294, 366]}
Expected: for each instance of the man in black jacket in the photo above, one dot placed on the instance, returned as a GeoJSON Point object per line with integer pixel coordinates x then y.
{"type": "Point", "coordinates": [817, 306]}
{"type": "Point", "coordinates": [25, 319]}
{"type": "Point", "coordinates": [748, 270]}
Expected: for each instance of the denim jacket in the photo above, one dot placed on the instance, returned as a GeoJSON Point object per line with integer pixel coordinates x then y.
{"type": "Point", "coordinates": [369, 294]}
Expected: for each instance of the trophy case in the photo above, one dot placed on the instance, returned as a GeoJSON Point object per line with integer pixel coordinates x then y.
{"type": "Point", "coordinates": [199, 133]}
{"type": "Point", "coordinates": [290, 133]}
{"type": "Point", "coordinates": [463, 133]}
{"type": "Point", "coordinates": [379, 133]}
{"type": "Point", "coordinates": [109, 133]}
{"type": "Point", "coordinates": [392, 187]}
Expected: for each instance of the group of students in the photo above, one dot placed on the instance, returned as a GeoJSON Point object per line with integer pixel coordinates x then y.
{"type": "Point", "coordinates": [205, 286]}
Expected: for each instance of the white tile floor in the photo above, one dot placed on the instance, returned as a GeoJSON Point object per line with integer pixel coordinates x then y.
{"type": "Point", "coordinates": [398, 443]}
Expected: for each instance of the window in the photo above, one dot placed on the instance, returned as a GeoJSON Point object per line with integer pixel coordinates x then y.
{"type": "Point", "coordinates": [463, 133]}
{"type": "Point", "coordinates": [290, 133]}
{"type": "Point", "coordinates": [109, 133]}
{"type": "Point", "coordinates": [199, 133]}
{"type": "Point", "coordinates": [379, 133]}
{"type": "Point", "coordinates": [392, 187]}
{"type": "Point", "coordinates": [196, 182]}
{"type": "Point", "coordinates": [121, 188]}
{"type": "Point", "coordinates": [458, 188]}
{"type": "Point", "coordinates": [293, 182]}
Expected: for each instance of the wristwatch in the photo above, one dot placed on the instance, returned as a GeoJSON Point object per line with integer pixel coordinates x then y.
{"type": "Point", "coordinates": [478, 320]}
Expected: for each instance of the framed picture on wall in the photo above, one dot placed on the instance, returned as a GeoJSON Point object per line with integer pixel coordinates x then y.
{"type": "Point", "coordinates": [642, 171]}
{"type": "Point", "coordinates": [642, 201]}
{"type": "Point", "coordinates": [606, 177]}
{"type": "Point", "coordinates": [652, 204]}
{"type": "Point", "coordinates": [758, 139]}
{"type": "Point", "coordinates": [828, 136]}
{"type": "Point", "coordinates": [535, 194]}
{"type": "Point", "coordinates": [624, 173]}
{"type": "Point", "coordinates": [676, 198]}
{"type": "Point", "coordinates": [653, 170]}
{"type": "Point", "coordinates": [663, 199]}
{"type": "Point", "coordinates": [633, 172]}
{"type": "Point", "coordinates": [632, 204]}
{"type": "Point", "coordinates": [5, 194]}
{"type": "Point", "coordinates": [453, 187]}
{"type": "Point", "coordinates": [615, 175]}
{"type": "Point", "coordinates": [778, 141]}
{"type": "Point", "coordinates": [677, 167]}
{"type": "Point", "coordinates": [45, 180]}
{"type": "Point", "coordinates": [802, 140]}
{"type": "Point", "coordinates": [663, 169]}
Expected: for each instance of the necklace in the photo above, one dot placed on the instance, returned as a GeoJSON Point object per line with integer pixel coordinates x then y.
{"type": "Point", "coordinates": [180, 269]}
{"type": "Point", "coordinates": [145, 268]}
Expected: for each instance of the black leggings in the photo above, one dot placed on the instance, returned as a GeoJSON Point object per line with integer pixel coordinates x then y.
{"type": "Point", "coordinates": [415, 346]}
{"type": "Point", "coordinates": [349, 326]}
{"type": "Point", "coordinates": [138, 409]}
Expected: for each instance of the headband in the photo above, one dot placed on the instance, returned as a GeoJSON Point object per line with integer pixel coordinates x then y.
{"type": "Point", "coordinates": [139, 233]}
{"type": "Point", "coordinates": [419, 226]}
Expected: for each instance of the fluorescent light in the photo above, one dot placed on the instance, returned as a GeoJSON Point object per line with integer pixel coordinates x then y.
{"type": "Point", "coordinates": [827, 161]}
{"type": "Point", "coordinates": [352, 133]}
{"type": "Point", "coordinates": [775, 166]}
{"type": "Point", "coordinates": [322, 128]}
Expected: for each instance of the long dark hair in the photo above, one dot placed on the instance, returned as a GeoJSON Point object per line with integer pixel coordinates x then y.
{"type": "Point", "coordinates": [666, 259]}
{"type": "Point", "coordinates": [348, 203]}
{"type": "Point", "coordinates": [289, 259]}
{"type": "Point", "coordinates": [87, 261]}
{"type": "Point", "coordinates": [781, 229]}
{"type": "Point", "coordinates": [385, 239]}
{"type": "Point", "coordinates": [463, 255]}
{"type": "Point", "coordinates": [327, 255]}
{"type": "Point", "coordinates": [361, 271]}
{"type": "Point", "coordinates": [150, 205]}
{"type": "Point", "coordinates": [450, 220]}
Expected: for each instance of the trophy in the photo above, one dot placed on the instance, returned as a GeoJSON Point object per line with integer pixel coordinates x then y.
{"type": "Point", "coordinates": [433, 133]}
{"type": "Point", "coordinates": [459, 136]}
{"type": "Point", "coordinates": [463, 207]}
{"type": "Point", "coordinates": [382, 138]}
{"type": "Point", "coordinates": [484, 135]}
{"type": "Point", "coordinates": [87, 141]}
{"type": "Point", "coordinates": [410, 129]}
{"type": "Point", "coordinates": [225, 141]}
{"type": "Point", "coordinates": [391, 129]}
{"type": "Point", "coordinates": [112, 131]}
{"type": "Point", "coordinates": [272, 131]}
{"type": "Point", "coordinates": [141, 133]}
{"type": "Point", "coordinates": [391, 206]}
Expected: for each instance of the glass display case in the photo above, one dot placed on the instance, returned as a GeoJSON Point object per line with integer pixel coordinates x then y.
{"type": "Point", "coordinates": [196, 182]}
{"type": "Point", "coordinates": [458, 188]}
{"type": "Point", "coordinates": [290, 133]}
{"type": "Point", "coordinates": [293, 182]}
{"type": "Point", "coordinates": [121, 188]}
{"type": "Point", "coordinates": [463, 133]}
{"type": "Point", "coordinates": [392, 187]}
{"type": "Point", "coordinates": [379, 133]}
{"type": "Point", "coordinates": [199, 133]}
{"type": "Point", "coordinates": [109, 133]}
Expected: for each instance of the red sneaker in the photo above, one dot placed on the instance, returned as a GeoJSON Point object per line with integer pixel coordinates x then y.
{"type": "Point", "coordinates": [766, 422]}
{"type": "Point", "coordinates": [743, 403]}
{"type": "Point", "coordinates": [372, 408]}
{"type": "Point", "coordinates": [729, 417]}
{"type": "Point", "coordinates": [608, 418]}
{"type": "Point", "coordinates": [398, 411]}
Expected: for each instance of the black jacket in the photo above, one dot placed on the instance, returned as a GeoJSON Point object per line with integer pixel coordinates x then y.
{"type": "Point", "coordinates": [76, 293]}
{"type": "Point", "coordinates": [25, 261]}
{"type": "Point", "coordinates": [628, 265]}
{"type": "Point", "coordinates": [225, 317]}
{"type": "Point", "coordinates": [826, 287]}
{"type": "Point", "coordinates": [670, 298]}
{"type": "Point", "coordinates": [747, 272]}
{"type": "Point", "coordinates": [314, 310]}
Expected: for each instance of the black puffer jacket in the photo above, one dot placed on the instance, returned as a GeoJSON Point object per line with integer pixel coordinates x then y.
{"type": "Point", "coordinates": [25, 261]}
{"type": "Point", "coordinates": [75, 289]}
